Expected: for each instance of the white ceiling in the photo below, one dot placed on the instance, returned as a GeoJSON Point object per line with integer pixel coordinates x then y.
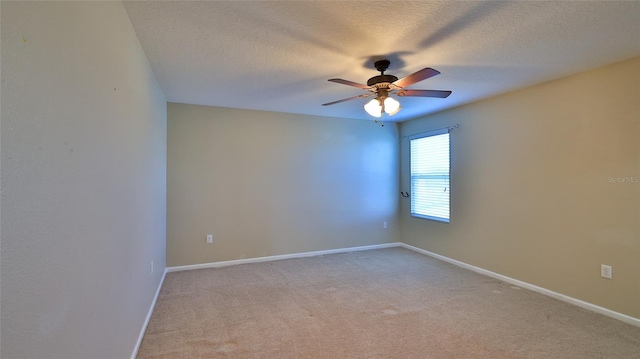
{"type": "Point", "coordinates": [277, 55]}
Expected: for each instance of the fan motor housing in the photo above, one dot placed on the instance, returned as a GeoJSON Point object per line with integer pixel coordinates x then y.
{"type": "Point", "coordinates": [381, 78]}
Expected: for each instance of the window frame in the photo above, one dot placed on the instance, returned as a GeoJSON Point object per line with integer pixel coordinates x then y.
{"type": "Point", "coordinates": [411, 175]}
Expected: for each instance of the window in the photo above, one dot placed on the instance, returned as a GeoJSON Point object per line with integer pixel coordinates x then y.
{"type": "Point", "coordinates": [430, 168]}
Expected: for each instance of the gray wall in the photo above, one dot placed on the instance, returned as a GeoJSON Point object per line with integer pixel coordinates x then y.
{"type": "Point", "coordinates": [83, 154]}
{"type": "Point", "coordinates": [545, 186]}
{"type": "Point", "coordinates": [266, 183]}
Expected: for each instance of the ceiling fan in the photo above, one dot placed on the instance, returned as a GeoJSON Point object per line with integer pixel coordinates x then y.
{"type": "Point", "coordinates": [382, 86]}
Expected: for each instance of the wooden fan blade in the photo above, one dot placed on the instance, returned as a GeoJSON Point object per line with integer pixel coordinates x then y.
{"type": "Point", "coordinates": [349, 83]}
{"type": "Point", "coordinates": [425, 93]}
{"type": "Point", "coordinates": [347, 99]}
{"type": "Point", "coordinates": [416, 77]}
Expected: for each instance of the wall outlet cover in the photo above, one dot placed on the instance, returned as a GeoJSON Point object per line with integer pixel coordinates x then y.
{"type": "Point", "coordinates": [606, 271]}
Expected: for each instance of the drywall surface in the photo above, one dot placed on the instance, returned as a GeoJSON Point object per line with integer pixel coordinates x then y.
{"type": "Point", "coordinates": [266, 183]}
{"type": "Point", "coordinates": [83, 181]}
{"type": "Point", "coordinates": [545, 186]}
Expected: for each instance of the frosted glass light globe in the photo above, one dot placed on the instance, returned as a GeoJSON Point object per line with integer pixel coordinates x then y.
{"type": "Point", "coordinates": [373, 108]}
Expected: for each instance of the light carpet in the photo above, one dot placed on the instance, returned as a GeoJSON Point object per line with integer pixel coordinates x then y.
{"type": "Point", "coordinates": [386, 303]}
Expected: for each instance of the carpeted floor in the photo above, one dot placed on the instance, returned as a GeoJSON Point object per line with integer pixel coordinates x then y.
{"type": "Point", "coordinates": [387, 303]}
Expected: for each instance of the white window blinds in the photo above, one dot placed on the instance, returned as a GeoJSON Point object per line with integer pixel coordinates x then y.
{"type": "Point", "coordinates": [430, 169]}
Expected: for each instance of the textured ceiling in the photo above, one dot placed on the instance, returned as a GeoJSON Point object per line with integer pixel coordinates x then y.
{"type": "Point", "coordinates": [277, 56]}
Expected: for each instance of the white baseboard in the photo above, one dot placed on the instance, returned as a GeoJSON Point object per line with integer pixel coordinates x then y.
{"type": "Point", "coordinates": [146, 321]}
{"type": "Point", "coordinates": [280, 257]}
{"type": "Point", "coordinates": [582, 304]}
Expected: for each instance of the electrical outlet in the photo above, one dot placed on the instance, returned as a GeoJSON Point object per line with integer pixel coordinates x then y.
{"type": "Point", "coordinates": [606, 271]}
{"type": "Point", "coordinates": [384, 224]}
{"type": "Point", "coordinates": [209, 238]}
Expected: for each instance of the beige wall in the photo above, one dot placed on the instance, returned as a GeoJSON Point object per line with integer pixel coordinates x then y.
{"type": "Point", "coordinates": [532, 190]}
{"type": "Point", "coordinates": [83, 181]}
{"type": "Point", "coordinates": [266, 183]}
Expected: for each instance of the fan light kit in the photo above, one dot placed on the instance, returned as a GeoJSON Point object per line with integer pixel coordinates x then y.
{"type": "Point", "coordinates": [382, 86]}
{"type": "Point", "coordinates": [382, 104]}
